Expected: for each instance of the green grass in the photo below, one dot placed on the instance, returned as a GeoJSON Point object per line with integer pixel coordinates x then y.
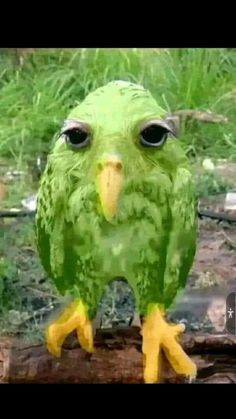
{"type": "Point", "coordinates": [35, 98]}
{"type": "Point", "coordinates": [209, 184]}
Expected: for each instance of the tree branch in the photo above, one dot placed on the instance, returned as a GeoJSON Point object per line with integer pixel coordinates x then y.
{"type": "Point", "coordinates": [117, 359]}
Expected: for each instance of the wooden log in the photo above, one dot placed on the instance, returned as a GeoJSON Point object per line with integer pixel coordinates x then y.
{"type": "Point", "coordinates": [117, 359]}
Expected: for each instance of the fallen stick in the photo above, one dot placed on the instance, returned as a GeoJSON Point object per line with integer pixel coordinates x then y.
{"type": "Point", "coordinates": [16, 213]}
{"type": "Point", "coordinates": [220, 216]}
{"type": "Point", "coordinates": [201, 116]}
{"type": "Point", "coordinates": [117, 359]}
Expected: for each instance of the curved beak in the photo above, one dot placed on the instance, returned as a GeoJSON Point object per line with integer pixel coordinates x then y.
{"type": "Point", "coordinates": [110, 181]}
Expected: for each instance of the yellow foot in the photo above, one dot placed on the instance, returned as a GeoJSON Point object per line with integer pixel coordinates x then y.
{"type": "Point", "coordinates": [157, 335]}
{"type": "Point", "coordinates": [73, 318]}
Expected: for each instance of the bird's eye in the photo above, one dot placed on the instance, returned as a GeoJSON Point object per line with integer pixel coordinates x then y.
{"type": "Point", "coordinates": [153, 135]}
{"type": "Point", "coordinates": [77, 137]}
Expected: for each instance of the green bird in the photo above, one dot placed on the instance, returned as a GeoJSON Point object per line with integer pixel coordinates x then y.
{"type": "Point", "coordinates": [117, 199]}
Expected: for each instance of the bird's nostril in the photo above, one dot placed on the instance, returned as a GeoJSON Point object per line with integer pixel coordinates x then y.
{"type": "Point", "coordinates": [110, 163]}
{"type": "Point", "coordinates": [118, 165]}
{"type": "Point", "coordinates": [100, 166]}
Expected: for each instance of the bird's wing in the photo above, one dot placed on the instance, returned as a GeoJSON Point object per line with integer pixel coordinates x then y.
{"type": "Point", "coordinates": [50, 231]}
{"type": "Point", "coordinates": [183, 234]}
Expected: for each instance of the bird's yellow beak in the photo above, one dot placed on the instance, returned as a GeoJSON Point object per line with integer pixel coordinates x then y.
{"type": "Point", "coordinates": [110, 180]}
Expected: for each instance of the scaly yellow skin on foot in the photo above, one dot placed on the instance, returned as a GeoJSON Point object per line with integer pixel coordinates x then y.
{"type": "Point", "coordinates": [73, 318]}
{"type": "Point", "coordinates": [157, 335]}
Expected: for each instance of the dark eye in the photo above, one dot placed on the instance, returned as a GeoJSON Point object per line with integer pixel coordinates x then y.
{"type": "Point", "coordinates": [153, 136]}
{"type": "Point", "coordinates": [77, 137]}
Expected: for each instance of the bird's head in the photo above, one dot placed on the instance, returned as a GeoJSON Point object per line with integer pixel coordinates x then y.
{"type": "Point", "coordinates": [117, 134]}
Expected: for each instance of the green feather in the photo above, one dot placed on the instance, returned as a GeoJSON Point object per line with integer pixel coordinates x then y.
{"type": "Point", "coordinates": [152, 241]}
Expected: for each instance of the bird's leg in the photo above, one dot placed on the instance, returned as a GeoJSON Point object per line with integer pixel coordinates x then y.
{"type": "Point", "coordinates": [74, 317]}
{"type": "Point", "coordinates": [159, 335]}
{"type": "Point", "coordinates": [135, 320]}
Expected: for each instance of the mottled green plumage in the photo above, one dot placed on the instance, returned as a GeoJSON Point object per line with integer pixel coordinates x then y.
{"type": "Point", "coordinates": [152, 240]}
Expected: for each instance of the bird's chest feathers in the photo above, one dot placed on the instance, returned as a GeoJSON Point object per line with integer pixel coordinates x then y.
{"type": "Point", "coordinates": [134, 236]}
{"type": "Point", "coordinates": [117, 248]}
